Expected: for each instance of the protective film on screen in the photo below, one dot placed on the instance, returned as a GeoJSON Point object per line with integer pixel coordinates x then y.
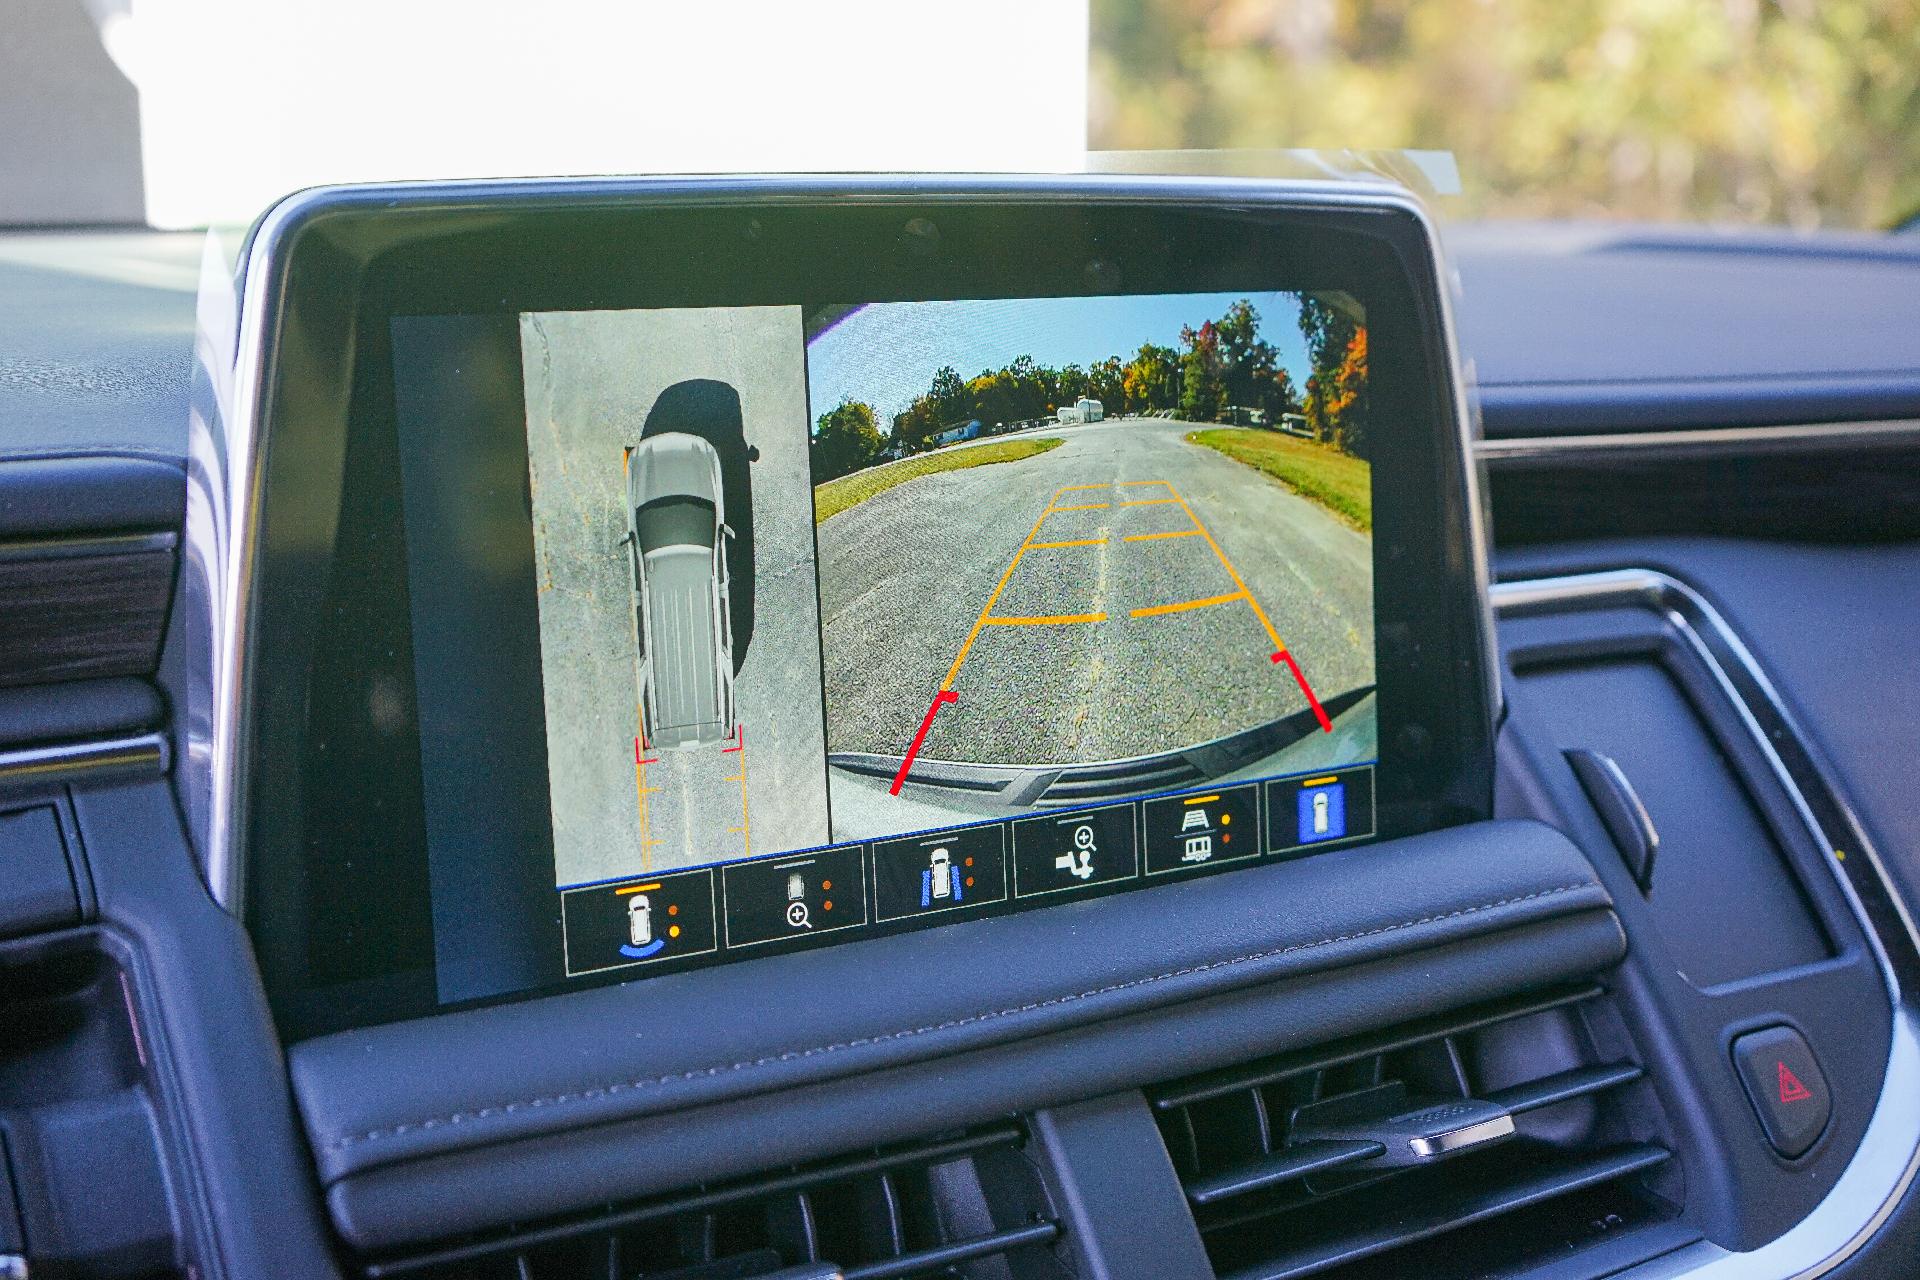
{"type": "Point", "coordinates": [852, 616]}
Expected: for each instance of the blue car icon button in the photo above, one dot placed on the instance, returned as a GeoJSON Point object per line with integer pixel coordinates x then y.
{"type": "Point", "coordinates": [1322, 812]}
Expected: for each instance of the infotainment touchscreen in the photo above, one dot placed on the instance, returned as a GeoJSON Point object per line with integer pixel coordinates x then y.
{"type": "Point", "coordinates": [685, 576]}
{"type": "Point", "coordinates": [857, 616]}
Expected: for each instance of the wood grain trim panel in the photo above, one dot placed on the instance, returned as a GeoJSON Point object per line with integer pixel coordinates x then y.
{"type": "Point", "coordinates": [70, 611]}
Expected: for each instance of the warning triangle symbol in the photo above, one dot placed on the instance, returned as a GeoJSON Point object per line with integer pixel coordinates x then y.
{"type": "Point", "coordinates": [1791, 1090]}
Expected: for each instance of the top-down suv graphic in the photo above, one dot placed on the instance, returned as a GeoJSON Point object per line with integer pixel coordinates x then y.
{"type": "Point", "coordinates": [678, 538]}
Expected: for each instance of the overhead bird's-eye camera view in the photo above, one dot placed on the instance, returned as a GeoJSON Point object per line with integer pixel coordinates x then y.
{"type": "Point", "coordinates": [1132, 553]}
{"type": "Point", "coordinates": [674, 569]}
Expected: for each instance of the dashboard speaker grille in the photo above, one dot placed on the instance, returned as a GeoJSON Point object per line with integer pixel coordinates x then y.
{"type": "Point", "coordinates": [1276, 1197]}
{"type": "Point", "coordinates": [966, 1205]}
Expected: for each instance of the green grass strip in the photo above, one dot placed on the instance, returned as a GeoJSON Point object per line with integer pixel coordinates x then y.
{"type": "Point", "coordinates": [835, 496]}
{"type": "Point", "coordinates": [1337, 480]}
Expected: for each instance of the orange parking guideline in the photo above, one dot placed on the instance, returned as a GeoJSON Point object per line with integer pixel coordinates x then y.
{"type": "Point", "coordinates": [1154, 611]}
{"type": "Point", "coordinates": [744, 830]}
{"type": "Point", "coordinates": [998, 587]}
{"type": "Point", "coordinates": [640, 788]}
{"type": "Point", "coordinates": [988, 619]}
{"type": "Point", "coordinates": [1279, 645]}
{"type": "Point", "coordinates": [1046, 620]}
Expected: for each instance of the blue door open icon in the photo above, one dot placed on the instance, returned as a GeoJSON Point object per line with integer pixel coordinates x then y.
{"type": "Point", "coordinates": [1323, 812]}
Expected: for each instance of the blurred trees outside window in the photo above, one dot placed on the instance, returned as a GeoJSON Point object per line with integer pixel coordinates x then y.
{"type": "Point", "coordinates": [1803, 112]}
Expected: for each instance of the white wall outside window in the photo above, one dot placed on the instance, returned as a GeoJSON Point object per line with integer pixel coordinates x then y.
{"type": "Point", "coordinates": [242, 101]}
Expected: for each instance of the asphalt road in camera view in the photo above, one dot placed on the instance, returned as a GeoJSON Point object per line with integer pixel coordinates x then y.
{"type": "Point", "coordinates": [1064, 669]}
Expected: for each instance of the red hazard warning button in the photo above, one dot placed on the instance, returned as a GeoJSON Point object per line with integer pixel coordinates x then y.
{"type": "Point", "coordinates": [1785, 1085]}
{"type": "Point", "coordinates": [1791, 1090]}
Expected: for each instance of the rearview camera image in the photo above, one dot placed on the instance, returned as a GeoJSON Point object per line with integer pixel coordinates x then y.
{"type": "Point", "coordinates": [1127, 551]}
{"type": "Point", "coordinates": [673, 555]}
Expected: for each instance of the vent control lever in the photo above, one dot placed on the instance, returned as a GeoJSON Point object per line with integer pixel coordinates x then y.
{"type": "Point", "coordinates": [1414, 1130]}
{"type": "Point", "coordinates": [1621, 812]}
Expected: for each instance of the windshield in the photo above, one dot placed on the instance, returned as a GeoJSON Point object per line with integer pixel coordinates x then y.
{"type": "Point", "coordinates": [675, 522]}
{"type": "Point", "coordinates": [181, 113]}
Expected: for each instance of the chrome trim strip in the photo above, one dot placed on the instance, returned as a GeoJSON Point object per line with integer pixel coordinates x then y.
{"type": "Point", "coordinates": [74, 548]}
{"type": "Point", "coordinates": [1887, 1160]}
{"type": "Point", "coordinates": [226, 444]}
{"type": "Point", "coordinates": [1706, 442]}
{"type": "Point", "coordinates": [84, 761]}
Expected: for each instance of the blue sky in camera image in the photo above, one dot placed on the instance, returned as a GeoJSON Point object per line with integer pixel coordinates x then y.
{"type": "Point", "coordinates": [887, 353]}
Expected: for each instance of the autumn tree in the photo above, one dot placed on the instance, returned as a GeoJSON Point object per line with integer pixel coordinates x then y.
{"type": "Point", "coordinates": [949, 393]}
{"type": "Point", "coordinates": [1203, 386]}
{"type": "Point", "coordinates": [1346, 397]}
{"type": "Point", "coordinates": [1069, 384]}
{"type": "Point", "coordinates": [846, 438]}
{"type": "Point", "coordinates": [1284, 396]}
{"type": "Point", "coordinates": [913, 429]}
{"type": "Point", "coordinates": [1329, 332]}
{"type": "Point", "coordinates": [1151, 379]}
{"type": "Point", "coordinates": [1248, 361]}
{"type": "Point", "coordinates": [1106, 382]}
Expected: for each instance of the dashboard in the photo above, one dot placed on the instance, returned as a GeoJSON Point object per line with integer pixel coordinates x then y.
{"type": "Point", "coordinates": [975, 727]}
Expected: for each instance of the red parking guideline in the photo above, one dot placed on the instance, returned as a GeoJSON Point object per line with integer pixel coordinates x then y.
{"type": "Point", "coordinates": [1319, 713]}
{"type": "Point", "coordinates": [939, 699]}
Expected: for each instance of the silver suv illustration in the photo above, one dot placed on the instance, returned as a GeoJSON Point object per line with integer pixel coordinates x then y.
{"type": "Point", "coordinates": [678, 539]}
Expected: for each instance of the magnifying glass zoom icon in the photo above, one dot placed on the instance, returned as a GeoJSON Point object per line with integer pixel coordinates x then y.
{"type": "Point", "coordinates": [797, 915]}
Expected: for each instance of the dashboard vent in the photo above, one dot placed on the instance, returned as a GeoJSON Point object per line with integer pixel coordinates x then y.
{"type": "Point", "coordinates": [968, 1206]}
{"type": "Point", "coordinates": [1336, 1161]}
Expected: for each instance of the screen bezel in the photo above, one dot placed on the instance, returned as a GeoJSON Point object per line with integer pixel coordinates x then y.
{"type": "Point", "coordinates": [353, 260]}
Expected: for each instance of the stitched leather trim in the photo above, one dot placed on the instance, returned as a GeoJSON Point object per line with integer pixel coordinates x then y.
{"type": "Point", "coordinates": [560, 1100]}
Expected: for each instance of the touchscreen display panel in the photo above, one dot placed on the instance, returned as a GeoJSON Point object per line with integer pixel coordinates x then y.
{"type": "Point", "coordinates": [854, 617]}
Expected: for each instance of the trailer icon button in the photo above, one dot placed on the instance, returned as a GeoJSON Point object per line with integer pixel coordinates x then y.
{"type": "Point", "coordinates": [1190, 832]}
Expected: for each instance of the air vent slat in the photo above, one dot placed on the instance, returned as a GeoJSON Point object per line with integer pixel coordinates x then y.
{"type": "Point", "coordinates": [1220, 1083]}
{"type": "Point", "coordinates": [916, 1209]}
{"type": "Point", "coordinates": [1583, 1082]}
{"type": "Point", "coordinates": [881, 1201]}
{"type": "Point", "coordinates": [1295, 1162]}
{"type": "Point", "coordinates": [950, 1255]}
{"type": "Point", "coordinates": [688, 1205]}
{"type": "Point", "coordinates": [1470, 1204]}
